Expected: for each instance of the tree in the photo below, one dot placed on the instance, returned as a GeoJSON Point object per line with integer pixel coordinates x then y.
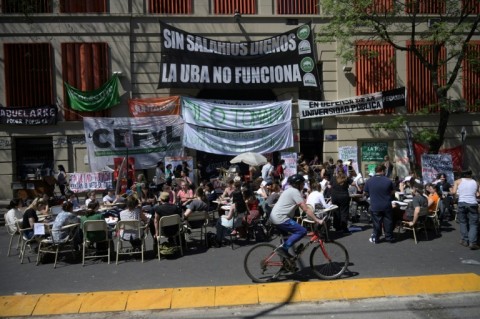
{"type": "Point", "coordinates": [449, 33]}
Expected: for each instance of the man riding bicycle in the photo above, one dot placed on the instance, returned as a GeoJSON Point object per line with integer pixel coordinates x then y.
{"type": "Point", "coordinates": [283, 211]}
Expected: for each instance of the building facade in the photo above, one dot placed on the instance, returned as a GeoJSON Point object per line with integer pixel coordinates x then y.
{"type": "Point", "coordinates": [49, 42]}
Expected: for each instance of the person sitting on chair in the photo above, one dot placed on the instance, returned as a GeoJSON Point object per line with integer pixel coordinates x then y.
{"type": "Point", "coordinates": [164, 208]}
{"type": "Point", "coordinates": [418, 207]}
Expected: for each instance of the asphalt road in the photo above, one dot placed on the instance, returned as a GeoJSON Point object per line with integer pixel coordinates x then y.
{"type": "Point", "coordinates": [224, 266]}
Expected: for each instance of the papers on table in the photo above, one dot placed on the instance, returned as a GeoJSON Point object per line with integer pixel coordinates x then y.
{"type": "Point", "coordinates": [399, 203]}
{"type": "Point", "coordinates": [39, 229]}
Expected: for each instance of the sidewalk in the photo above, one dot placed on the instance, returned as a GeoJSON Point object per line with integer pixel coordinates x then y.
{"type": "Point", "coordinates": [222, 296]}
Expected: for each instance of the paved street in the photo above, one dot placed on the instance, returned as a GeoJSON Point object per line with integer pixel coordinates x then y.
{"type": "Point", "coordinates": [224, 266]}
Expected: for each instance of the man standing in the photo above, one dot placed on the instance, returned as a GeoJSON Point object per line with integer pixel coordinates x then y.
{"type": "Point", "coordinates": [267, 170]}
{"type": "Point", "coordinates": [467, 190]}
{"type": "Point", "coordinates": [160, 176]}
{"type": "Point", "coordinates": [380, 190]}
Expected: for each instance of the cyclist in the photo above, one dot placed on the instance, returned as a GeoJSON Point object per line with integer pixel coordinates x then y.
{"type": "Point", "coordinates": [283, 211]}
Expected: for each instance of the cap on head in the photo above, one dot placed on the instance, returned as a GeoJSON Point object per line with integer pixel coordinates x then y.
{"type": "Point", "coordinates": [164, 196]}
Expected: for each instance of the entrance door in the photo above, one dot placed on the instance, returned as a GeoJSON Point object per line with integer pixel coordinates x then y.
{"type": "Point", "coordinates": [34, 157]}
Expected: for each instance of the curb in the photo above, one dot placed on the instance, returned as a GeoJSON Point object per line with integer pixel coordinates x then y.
{"type": "Point", "coordinates": [221, 296]}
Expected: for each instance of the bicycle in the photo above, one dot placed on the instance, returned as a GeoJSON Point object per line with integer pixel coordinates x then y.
{"type": "Point", "coordinates": [328, 260]}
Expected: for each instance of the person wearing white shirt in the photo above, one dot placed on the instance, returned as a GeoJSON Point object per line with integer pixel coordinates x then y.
{"type": "Point", "coordinates": [316, 196]}
{"type": "Point", "coordinates": [13, 215]}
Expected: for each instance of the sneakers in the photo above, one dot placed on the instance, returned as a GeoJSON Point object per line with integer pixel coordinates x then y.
{"type": "Point", "coordinates": [372, 239]}
{"type": "Point", "coordinates": [282, 252]}
{"type": "Point", "coordinates": [464, 243]}
{"type": "Point", "coordinates": [474, 247]}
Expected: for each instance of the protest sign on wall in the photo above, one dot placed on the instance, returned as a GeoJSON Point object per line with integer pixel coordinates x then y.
{"type": "Point", "coordinates": [374, 151]}
{"type": "Point", "coordinates": [83, 182]}
{"type": "Point", "coordinates": [434, 164]}
{"type": "Point", "coordinates": [346, 153]}
{"type": "Point", "coordinates": [290, 159]}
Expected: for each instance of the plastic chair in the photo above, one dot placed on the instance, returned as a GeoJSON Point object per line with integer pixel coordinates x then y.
{"type": "Point", "coordinates": [51, 246]}
{"type": "Point", "coordinates": [198, 221]}
{"type": "Point", "coordinates": [173, 220]}
{"type": "Point", "coordinates": [131, 227]}
{"type": "Point", "coordinates": [12, 230]}
{"type": "Point", "coordinates": [95, 227]}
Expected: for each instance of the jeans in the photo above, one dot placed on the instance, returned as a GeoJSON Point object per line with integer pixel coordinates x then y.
{"type": "Point", "coordinates": [468, 218]}
{"type": "Point", "coordinates": [385, 219]}
{"type": "Point", "coordinates": [297, 232]}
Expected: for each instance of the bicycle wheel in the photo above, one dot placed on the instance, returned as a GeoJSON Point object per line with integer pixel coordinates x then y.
{"type": "Point", "coordinates": [261, 263]}
{"type": "Point", "coordinates": [329, 260]}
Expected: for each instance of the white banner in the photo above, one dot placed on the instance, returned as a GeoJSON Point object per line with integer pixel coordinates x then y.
{"type": "Point", "coordinates": [83, 182]}
{"type": "Point", "coordinates": [346, 153]}
{"type": "Point", "coordinates": [290, 159]}
{"type": "Point", "coordinates": [263, 141]}
{"type": "Point", "coordinates": [434, 164]}
{"type": "Point", "coordinates": [149, 139]}
{"type": "Point", "coordinates": [235, 117]}
{"type": "Point", "coordinates": [361, 103]}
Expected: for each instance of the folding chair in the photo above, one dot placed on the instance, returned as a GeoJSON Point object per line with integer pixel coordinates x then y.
{"type": "Point", "coordinates": [129, 227]}
{"type": "Point", "coordinates": [198, 221]}
{"type": "Point", "coordinates": [25, 241]}
{"type": "Point", "coordinates": [51, 246]}
{"type": "Point", "coordinates": [12, 231]}
{"type": "Point", "coordinates": [173, 220]}
{"type": "Point", "coordinates": [97, 230]}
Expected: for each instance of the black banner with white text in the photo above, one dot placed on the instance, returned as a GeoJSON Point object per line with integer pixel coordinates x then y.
{"type": "Point", "coordinates": [192, 61]}
{"type": "Point", "coordinates": [38, 115]}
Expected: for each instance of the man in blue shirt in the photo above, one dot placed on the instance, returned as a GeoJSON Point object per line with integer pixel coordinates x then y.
{"type": "Point", "coordinates": [380, 189]}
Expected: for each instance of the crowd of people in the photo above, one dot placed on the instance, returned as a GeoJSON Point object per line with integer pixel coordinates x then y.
{"type": "Point", "coordinates": [266, 193]}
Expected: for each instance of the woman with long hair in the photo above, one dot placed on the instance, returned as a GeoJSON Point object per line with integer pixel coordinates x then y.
{"type": "Point", "coordinates": [341, 198]}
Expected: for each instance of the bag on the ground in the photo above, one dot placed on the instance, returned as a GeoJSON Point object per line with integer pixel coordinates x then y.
{"type": "Point", "coordinates": [167, 249]}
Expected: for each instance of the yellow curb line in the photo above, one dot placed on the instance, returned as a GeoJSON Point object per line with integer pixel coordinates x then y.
{"type": "Point", "coordinates": [220, 296]}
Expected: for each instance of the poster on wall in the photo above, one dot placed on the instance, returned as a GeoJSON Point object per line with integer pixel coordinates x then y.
{"type": "Point", "coordinates": [434, 164]}
{"type": "Point", "coordinates": [83, 182]}
{"type": "Point", "coordinates": [290, 159]}
{"type": "Point", "coordinates": [349, 153]}
{"type": "Point", "coordinates": [192, 61]}
{"type": "Point", "coordinates": [177, 162]}
{"type": "Point", "coordinates": [374, 151]}
{"type": "Point", "coordinates": [147, 139]}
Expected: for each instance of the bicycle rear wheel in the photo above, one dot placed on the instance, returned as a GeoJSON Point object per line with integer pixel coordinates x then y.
{"type": "Point", "coordinates": [329, 260]}
{"type": "Point", "coordinates": [262, 264]}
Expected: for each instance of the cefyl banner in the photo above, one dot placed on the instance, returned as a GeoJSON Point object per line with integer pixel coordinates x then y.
{"type": "Point", "coordinates": [192, 61]}
{"type": "Point", "coordinates": [270, 139]}
{"type": "Point", "coordinates": [362, 103]}
{"type": "Point", "coordinates": [41, 115]}
{"type": "Point", "coordinates": [235, 117]}
{"type": "Point", "coordinates": [154, 106]}
{"type": "Point", "coordinates": [147, 139]}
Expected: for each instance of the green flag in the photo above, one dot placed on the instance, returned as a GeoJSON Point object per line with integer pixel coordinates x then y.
{"type": "Point", "coordinates": [97, 100]}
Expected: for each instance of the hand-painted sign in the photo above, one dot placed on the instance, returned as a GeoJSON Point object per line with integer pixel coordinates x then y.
{"type": "Point", "coordinates": [192, 61]}
{"type": "Point", "coordinates": [229, 117]}
{"type": "Point", "coordinates": [42, 115]}
{"type": "Point", "coordinates": [374, 152]}
{"type": "Point", "coordinates": [152, 138]}
{"type": "Point", "coordinates": [270, 139]}
{"type": "Point", "coordinates": [154, 106]}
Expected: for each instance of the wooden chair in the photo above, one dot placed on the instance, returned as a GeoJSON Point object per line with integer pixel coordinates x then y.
{"type": "Point", "coordinates": [419, 225]}
{"type": "Point", "coordinates": [95, 227]}
{"type": "Point", "coordinates": [129, 227]}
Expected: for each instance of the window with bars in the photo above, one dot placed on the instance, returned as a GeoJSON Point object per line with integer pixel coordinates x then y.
{"type": "Point", "coordinates": [379, 6]}
{"type": "Point", "coordinates": [83, 6]}
{"type": "Point", "coordinates": [375, 68]}
{"type": "Point", "coordinates": [232, 6]}
{"type": "Point", "coordinates": [28, 74]}
{"type": "Point", "coordinates": [297, 7]}
{"type": "Point", "coordinates": [27, 6]}
{"type": "Point", "coordinates": [425, 6]}
{"type": "Point", "coordinates": [170, 6]}
{"type": "Point", "coordinates": [85, 66]}
{"type": "Point", "coordinates": [421, 93]}
{"type": "Point", "coordinates": [471, 77]}
{"type": "Point", "coordinates": [471, 6]}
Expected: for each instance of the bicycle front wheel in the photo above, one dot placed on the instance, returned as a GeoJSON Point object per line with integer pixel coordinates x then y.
{"type": "Point", "coordinates": [262, 264]}
{"type": "Point", "coordinates": [329, 260]}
